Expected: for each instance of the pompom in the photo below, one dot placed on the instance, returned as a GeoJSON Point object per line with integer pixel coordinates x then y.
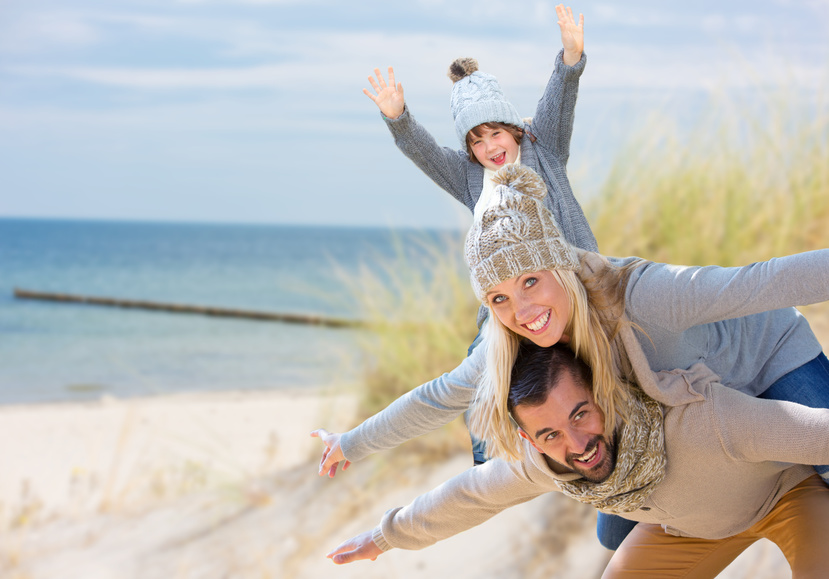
{"type": "Point", "coordinates": [522, 179]}
{"type": "Point", "coordinates": [462, 67]}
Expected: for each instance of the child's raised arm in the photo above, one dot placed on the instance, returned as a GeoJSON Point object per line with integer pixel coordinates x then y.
{"type": "Point", "coordinates": [572, 34]}
{"type": "Point", "coordinates": [388, 97]}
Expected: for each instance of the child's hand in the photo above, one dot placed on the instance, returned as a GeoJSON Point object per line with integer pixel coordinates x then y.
{"type": "Point", "coordinates": [572, 34]}
{"type": "Point", "coordinates": [360, 547]}
{"type": "Point", "coordinates": [389, 98]}
{"type": "Point", "coordinates": [332, 455]}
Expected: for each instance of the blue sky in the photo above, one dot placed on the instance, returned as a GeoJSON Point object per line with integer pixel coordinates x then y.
{"type": "Point", "coordinates": [252, 111]}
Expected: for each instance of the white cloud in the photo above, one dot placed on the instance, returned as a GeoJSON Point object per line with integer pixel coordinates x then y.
{"type": "Point", "coordinates": [43, 33]}
{"type": "Point", "coordinates": [167, 78]}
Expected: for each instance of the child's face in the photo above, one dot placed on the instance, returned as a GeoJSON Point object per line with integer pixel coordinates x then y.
{"type": "Point", "coordinates": [494, 148]}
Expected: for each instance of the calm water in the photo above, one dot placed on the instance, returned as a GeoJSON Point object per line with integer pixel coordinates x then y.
{"type": "Point", "coordinates": [58, 351]}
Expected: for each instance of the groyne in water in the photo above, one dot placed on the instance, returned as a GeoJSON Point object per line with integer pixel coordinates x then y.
{"type": "Point", "coordinates": [311, 319]}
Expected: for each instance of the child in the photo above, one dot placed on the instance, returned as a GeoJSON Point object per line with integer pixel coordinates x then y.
{"type": "Point", "coordinates": [492, 134]}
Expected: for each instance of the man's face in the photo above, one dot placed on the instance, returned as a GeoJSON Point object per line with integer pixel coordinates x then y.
{"type": "Point", "coordinates": [569, 428]}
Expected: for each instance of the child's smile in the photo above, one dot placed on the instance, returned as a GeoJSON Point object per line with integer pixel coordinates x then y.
{"type": "Point", "coordinates": [495, 148]}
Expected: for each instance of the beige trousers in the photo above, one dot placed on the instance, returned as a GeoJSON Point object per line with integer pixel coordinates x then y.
{"type": "Point", "coordinates": [798, 524]}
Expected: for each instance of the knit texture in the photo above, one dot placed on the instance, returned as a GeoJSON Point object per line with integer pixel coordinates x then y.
{"type": "Point", "coordinates": [640, 462]}
{"type": "Point", "coordinates": [477, 98]}
{"type": "Point", "coordinates": [545, 148]}
{"type": "Point", "coordinates": [515, 234]}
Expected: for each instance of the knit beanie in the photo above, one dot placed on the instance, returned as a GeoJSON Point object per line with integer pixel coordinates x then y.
{"type": "Point", "coordinates": [515, 233]}
{"type": "Point", "coordinates": [477, 98]}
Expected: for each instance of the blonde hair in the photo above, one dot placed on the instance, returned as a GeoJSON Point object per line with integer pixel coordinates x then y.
{"type": "Point", "coordinates": [596, 316]}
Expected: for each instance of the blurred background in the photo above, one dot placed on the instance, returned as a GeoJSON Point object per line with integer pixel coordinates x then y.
{"type": "Point", "coordinates": [222, 153]}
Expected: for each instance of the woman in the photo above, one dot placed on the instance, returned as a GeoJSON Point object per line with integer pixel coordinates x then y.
{"type": "Point", "coordinates": [738, 321]}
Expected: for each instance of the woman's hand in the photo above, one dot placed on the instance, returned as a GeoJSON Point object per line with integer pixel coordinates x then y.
{"type": "Point", "coordinates": [572, 34]}
{"type": "Point", "coordinates": [388, 98]}
{"type": "Point", "coordinates": [359, 547]}
{"type": "Point", "coordinates": [332, 455]}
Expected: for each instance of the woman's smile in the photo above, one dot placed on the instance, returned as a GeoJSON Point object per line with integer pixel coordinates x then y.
{"type": "Point", "coordinates": [532, 305]}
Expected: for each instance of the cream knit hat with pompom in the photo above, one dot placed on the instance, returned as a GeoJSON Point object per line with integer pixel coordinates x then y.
{"type": "Point", "coordinates": [515, 233]}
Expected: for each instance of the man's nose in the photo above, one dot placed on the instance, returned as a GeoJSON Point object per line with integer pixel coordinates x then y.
{"type": "Point", "coordinates": [578, 442]}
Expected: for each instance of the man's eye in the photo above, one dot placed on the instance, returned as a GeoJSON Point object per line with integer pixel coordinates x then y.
{"type": "Point", "coordinates": [551, 436]}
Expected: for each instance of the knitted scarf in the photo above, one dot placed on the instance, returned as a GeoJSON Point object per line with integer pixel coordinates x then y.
{"type": "Point", "coordinates": [640, 462]}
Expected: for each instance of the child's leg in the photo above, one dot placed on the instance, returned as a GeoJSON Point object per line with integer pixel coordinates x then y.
{"type": "Point", "coordinates": [612, 530]}
{"type": "Point", "coordinates": [807, 385]}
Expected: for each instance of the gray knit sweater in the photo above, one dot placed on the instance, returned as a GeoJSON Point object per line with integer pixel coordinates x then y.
{"type": "Point", "coordinates": [730, 458]}
{"type": "Point", "coordinates": [551, 127]}
{"type": "Point", "coordinates": [738, 321]}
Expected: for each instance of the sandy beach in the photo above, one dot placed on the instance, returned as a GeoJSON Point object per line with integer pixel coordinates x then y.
{"type": "Point", "coordinates": [224, 485]}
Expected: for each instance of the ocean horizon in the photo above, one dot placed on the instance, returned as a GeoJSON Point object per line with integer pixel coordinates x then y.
{"type": "Point", "coordinates": [55, 352]}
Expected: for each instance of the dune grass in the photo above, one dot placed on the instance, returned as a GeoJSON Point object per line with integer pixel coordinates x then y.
{"type": "Point", "coordinates": [747, 183]}
{"type": "Point", "coordinates": [421, 312]}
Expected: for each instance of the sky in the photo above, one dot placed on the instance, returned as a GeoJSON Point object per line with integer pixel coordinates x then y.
{"type": "Point", "coordinates": [253, 112]}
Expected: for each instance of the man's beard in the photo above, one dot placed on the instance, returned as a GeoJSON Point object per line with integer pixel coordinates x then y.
{"type": "Point", "coordinates": [600, 472]}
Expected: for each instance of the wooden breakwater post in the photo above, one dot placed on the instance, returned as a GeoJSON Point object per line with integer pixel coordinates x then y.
{"type": "Point", "coordinates": [189, 309]}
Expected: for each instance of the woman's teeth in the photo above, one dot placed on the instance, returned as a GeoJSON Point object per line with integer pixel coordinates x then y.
{"type": "Point", "coordinates": [538, 323]}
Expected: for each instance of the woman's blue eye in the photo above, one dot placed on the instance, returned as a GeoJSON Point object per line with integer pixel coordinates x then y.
{"type": "Point", "coordinates": [498, 299]}
{"type": "Point", "coordinates": [531, 281]}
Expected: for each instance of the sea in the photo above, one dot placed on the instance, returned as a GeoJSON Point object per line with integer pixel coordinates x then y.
{"type": "Point", "coordinates": [63, 351]}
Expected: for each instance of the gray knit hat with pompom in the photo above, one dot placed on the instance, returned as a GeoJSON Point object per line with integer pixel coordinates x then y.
{"type": "Point", "coordinates": [477, 98]}
{"type": "Point", "coordinates": [516, 233]}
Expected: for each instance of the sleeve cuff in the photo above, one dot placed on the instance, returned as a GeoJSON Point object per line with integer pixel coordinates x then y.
{"type": "Point", "coordinates": [578, 67]}
{"type": "Point", "coordinates": [379, 540]}
{"type": "Point", "coordinates": [404, 116]}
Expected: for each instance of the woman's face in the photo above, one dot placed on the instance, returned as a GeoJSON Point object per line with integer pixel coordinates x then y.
{"type": "Point", "coordinates": [533, 305]}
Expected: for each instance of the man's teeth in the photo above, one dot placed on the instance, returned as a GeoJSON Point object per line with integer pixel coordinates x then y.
{"type": "Point", "coordinates": [539, 323]}
{"type": "Point", "coordinates": [589, 457]}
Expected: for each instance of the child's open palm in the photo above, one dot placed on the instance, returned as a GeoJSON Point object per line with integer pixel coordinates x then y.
{"type": "Point", "coordinates": [388, 97]}
{"type": "Point", "coordinates": [572, 34]}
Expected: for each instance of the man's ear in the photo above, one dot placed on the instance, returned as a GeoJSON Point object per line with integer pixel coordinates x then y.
{"type": "Point", "coordinates": [522, 433]}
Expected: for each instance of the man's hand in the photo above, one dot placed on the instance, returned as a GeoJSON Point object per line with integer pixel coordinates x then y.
{"type": "Point", "coordinates": [332, 455]}
{"type": "Point", "coordinates": [388, 98]}
{"type": "Point", "coordinates": [572, 34]}
{"type": "Point", "coordinates": [359, 547]}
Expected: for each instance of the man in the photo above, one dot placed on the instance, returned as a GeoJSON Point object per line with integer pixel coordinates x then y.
{"type": "Point", "coordinates": [706, 472]}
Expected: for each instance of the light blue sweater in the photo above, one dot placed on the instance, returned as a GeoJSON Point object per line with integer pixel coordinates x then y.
{"type": "Point", "coordinates": [739, 321]}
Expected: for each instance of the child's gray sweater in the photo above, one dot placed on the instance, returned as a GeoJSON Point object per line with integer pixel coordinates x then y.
{"type": "Point", "coordinates": [550, 128]}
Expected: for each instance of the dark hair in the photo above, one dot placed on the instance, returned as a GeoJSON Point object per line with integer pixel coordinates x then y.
{"type": "Point", "coordinates": [538, 370]}
{"type": "Point", "coordinates": [516, 132]}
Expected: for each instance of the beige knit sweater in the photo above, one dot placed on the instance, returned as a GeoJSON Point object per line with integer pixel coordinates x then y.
{"type": "Point", "coordinates": [731, 457]}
